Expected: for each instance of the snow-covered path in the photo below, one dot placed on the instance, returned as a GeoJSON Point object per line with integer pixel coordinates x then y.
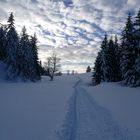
{"type": "Point", "coordinates": [86, 120]}
{"type": "Point", "coordinates": [33, 111]}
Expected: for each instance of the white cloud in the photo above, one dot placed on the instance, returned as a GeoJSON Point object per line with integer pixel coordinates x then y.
{"type": "Point", "coordinates": [72, 28]}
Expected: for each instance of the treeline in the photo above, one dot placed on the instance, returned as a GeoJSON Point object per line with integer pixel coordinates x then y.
{"type": "Point", "coordinates": [19, 52]}
{"type": "Point", "coordinates": [120, 61]}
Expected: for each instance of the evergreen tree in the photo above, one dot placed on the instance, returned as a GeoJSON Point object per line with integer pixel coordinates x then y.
{"type": "Point", "coordinates": [128, 53]}
{"type": "Point", "coordinates": [137, 71]}
{"type": "Point", "coordinates": [88, 69]}
{"type": "Point", "coordinates": [101, 68]}
{"type": "Point", "coordinates": [113, 61]}
{"type": "Point", "coordinates": [117, 56]}
{"type": "Point", "coordinates": [2, 43]}
{"type": "Point", "coordinates": [36, 66]}
{"type": "Point", "coordinates": [137, 40]}
{"type": "Point", "coordinates": [108, 60]}
{"type": "Point", "coordinates": [28, 56]}
{"type": "Point", "coordinates": [137, 28]}
{"type": "Point", "coordinates": [20, 54]}
{"type": "Point", "coordinates": [104, 60]}
{"type": "Point", "coordinates": [107, 66]}
{"type": "Point", "coordinates": [127, 33]}
{"type": "Point", "coordinates": [12, 45]}
{"type": "Point", "coordinates": [97, 73]}
{"type": "Point", "coordinates": [11, 23]}
{"type": "Point", "coordinates": [23, 55]}
{"type": "Point", "coordinates": [120, 62]}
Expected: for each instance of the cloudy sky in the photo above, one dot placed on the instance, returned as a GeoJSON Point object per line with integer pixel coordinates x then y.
{"type": "Point", "coordinates": [71, 28]}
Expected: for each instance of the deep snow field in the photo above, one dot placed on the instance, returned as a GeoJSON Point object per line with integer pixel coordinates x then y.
{"type": "Point", "coordinates": [68, 109]}
{"type": "Point", "coordinates": [33, 111]}
{"type": "Point", "coordinates": [122, 102]}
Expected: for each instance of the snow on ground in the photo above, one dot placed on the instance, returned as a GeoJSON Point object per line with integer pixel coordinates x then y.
{"type": "Point", "coordinates": [33, 111]}
{"type": "Point", "coordinates": [87, 120]}
{"type": "Point", "coordinates": [68, 109]}
{"type": "Point", "coordinates": [123, 102]}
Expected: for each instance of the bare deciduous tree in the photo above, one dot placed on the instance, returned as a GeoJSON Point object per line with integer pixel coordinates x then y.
{"type": "Point", "coordinates": [52, 66]}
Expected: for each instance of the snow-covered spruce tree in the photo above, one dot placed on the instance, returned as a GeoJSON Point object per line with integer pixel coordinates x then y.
{"type": "Point", "coordinates": [137, 28]}
{"type": "Point", "coordinates": [117, 56]}
{"type": "Point", "coordinates": [22, 55]}
{"type": "Point", "coordinates": [137, 71]}
{"type": "Point", "coordinates": [113, 62]}
{"type": "Point", "coordinates": [36, 65]}
{"type": "Point", "coordinates": [107, 66]}
{"type": "Point", "coordinates": [28, 57]}
{"type": "Point", "coordinates": [100, 71]}
{"type": "Point", "coordinates": [12, 46]}
{"type": "Point", "coordinates": [88, 69]}
{"type": "Point", "coordinates": [97, 73]}
{"type": "Point", "coordinates": [105, 62]}
{"type": "Point", "coordinates": [137, 41]}
{"type": "Point", "coordinates": [2, 43]}
{"type": "Point", "coordinates": [128, 54]}
{"type": "Point", "coordinates": [101, 67]}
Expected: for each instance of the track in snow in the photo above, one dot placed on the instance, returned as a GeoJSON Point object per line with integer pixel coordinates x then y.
{"type": "Point", "coordinates": [86, 120]}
